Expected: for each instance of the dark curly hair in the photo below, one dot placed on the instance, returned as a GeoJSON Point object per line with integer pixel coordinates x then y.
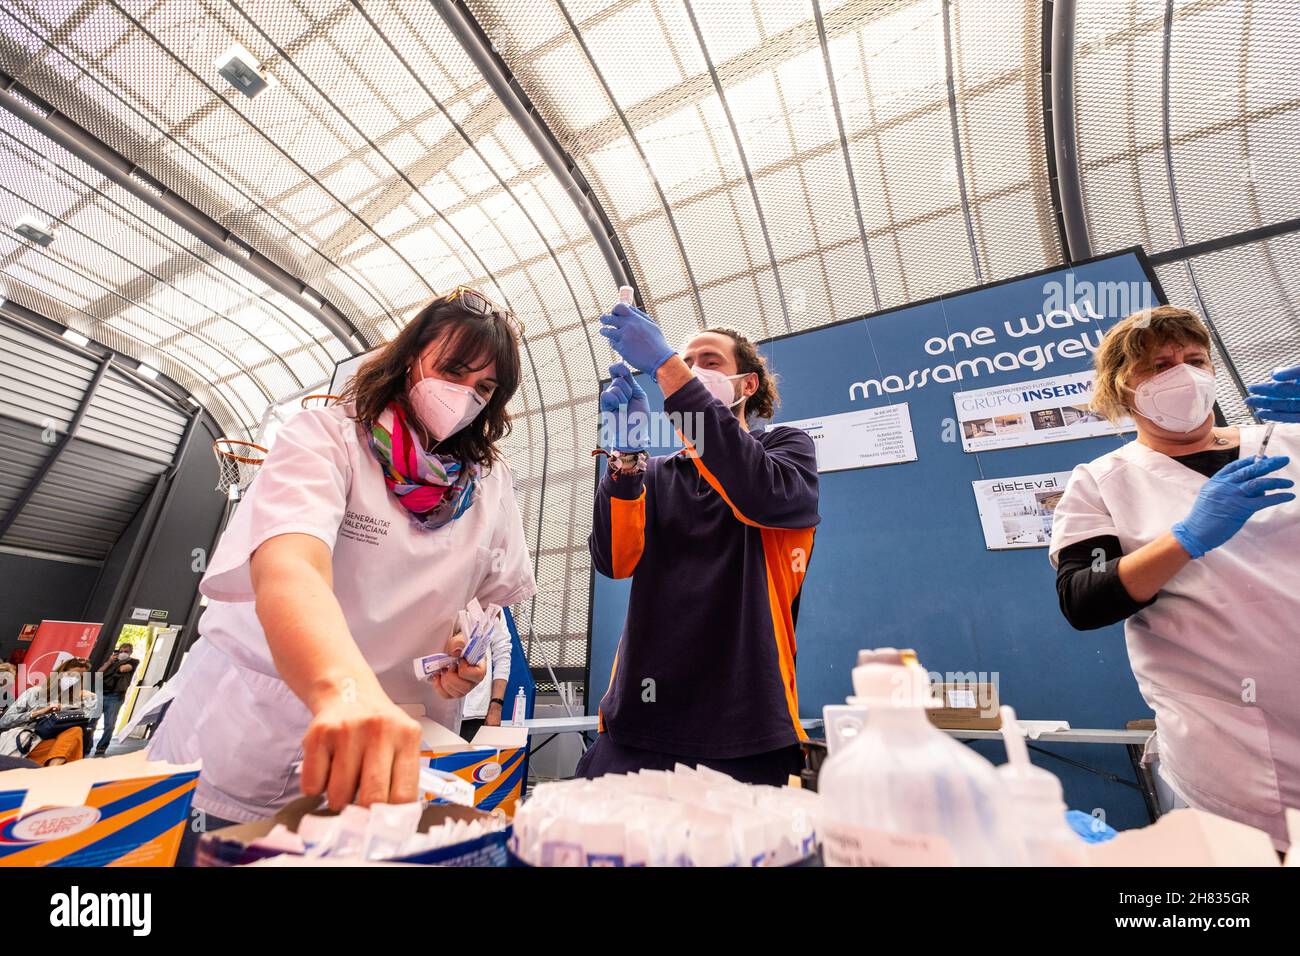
{"type": "Point", "coordinates": [763, 403]}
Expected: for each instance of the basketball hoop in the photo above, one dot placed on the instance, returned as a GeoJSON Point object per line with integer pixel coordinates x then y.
{"type": "Point", "coordinates": [318, 401]}
{"type": "Point", "coordinates": [237, 463]}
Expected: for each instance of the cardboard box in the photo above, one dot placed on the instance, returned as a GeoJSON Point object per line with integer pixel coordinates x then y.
{"type": "Point", "coordinates": [1187, 837]}
{"type": "Point", "coordinates": [114, 811]}
{"type": "Point", "coordinates": [229, 846]}
{"type": "Point", "coordinates": [967, 707]}
{"type": "Point", "coordinates": [492, 763]}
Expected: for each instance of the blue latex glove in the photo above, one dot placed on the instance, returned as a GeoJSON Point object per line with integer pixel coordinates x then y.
{"type": "Point", "coordinates": [1089, 828]}
{"type": "Point", "coordinates": [625, 412]}
{"type": "Point", "coordinates": [1278, 400]}
{"type": "Point", "coordinates": [635, 336]}
{"type": "Point", "coordinates": [1227, 501]}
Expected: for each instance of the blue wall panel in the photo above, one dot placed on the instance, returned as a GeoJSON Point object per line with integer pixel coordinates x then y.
{"type": "Point", "coordinates": [899, 558]}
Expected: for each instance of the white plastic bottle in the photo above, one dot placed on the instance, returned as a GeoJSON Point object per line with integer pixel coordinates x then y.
{"type": "Point", "coordinates": [1038, 804]}
{"type": "Point", "coordinates": [520, 713]}
{"type": "Point", "coordinates": [903, 793]}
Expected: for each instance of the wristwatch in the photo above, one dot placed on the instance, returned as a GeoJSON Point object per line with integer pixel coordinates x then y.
{"type": "Point", "coordinates": [496, 700]}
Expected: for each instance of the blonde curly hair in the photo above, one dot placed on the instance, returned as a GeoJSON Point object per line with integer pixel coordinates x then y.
{"type": "Point", "coordinates": [1129, 347]}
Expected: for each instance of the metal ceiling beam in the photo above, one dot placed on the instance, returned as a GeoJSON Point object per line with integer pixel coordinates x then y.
{"type": "Point", "coordinates": [833, 90]}
{"type": "Point", "coordinates": [635, 140]}
{"type": "Point", "coordinates": [1064, 134]}
{"type": "Point", "coordinates": [959, 164]}
{"type": "Point", "coordinates": [49, 122]}
{"type": "Point", "coordinates": [744, 162]}
{"type": "Point", "coordinates": [502, 83]}
{"type": "Point", "coordinates": [52, 458]}
{"type": "Point", "coordinates": [1174, 207]}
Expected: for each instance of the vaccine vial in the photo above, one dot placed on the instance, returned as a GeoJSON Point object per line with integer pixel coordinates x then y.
{"type": "Point", "coordinates": [626, 295]}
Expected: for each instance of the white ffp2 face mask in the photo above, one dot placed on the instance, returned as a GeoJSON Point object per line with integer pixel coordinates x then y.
{"type": "Point", "coordinates": [1179, 399]}
{"type": "Point", "coordinates": [443, 407]}
{"type": "Point", "coordinates": [719, 385]}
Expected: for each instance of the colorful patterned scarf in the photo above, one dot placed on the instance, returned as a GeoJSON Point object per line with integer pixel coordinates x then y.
{"type": "Point", "coordinates": [436, 489]}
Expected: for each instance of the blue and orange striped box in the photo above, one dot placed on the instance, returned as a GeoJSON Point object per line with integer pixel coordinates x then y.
{"type": "Point", "coordinates": [118, 811]}
{"type": "Point", "coordinates": [496, 774]}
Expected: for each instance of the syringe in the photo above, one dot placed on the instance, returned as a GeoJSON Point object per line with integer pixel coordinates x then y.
{"type": "Point", "coordinates": [1263, 446]}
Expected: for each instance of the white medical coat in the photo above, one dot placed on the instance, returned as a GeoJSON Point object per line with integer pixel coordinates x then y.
{"type": "Point", "coordinates": [399, 587]}
{"type": "Point", "coordinates": [1217, 656]}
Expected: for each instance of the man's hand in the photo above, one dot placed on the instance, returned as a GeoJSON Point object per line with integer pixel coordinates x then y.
{"type": "Point", "coordinates": [459, 680]}
{"type": "Point", "coordinates": [493, 718]}
{"type": "Point", "coordinates": [624, 412]}
{"type": "Point", "coordinates": [635, 337]}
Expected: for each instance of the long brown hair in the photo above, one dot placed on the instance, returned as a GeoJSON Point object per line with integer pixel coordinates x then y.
{"type": "Point", "coordinates": [472, 342]}
{"type": "Point", "coordinates": [763, 403]}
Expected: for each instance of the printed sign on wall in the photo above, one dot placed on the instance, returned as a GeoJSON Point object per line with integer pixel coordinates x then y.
{"type": "Point", "coordinates": [861, 439]}
{"type": "Point", "coordinates": [1031, 413]}
{"type": "Point", "coordinates": [1017, 512]}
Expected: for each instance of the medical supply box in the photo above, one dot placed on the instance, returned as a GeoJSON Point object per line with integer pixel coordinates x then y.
{"type": "Point", "coordinates": [229, 846]}
{"type": "Point", "coordinates": [492, 763]}
{"type": "Point", "coordinates": [114, 811]}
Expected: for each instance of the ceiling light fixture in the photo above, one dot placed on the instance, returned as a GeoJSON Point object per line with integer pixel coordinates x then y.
{"type": "Point", "coordinates": [76, 338]}
{"type": "Point", "coordinates": [38, 232]}
{"type": "Point", "coordinates": [241, 70]}
{"type": "Point", "coordinates": [148, 371]}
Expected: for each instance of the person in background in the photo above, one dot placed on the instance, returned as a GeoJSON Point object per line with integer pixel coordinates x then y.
{"type": "Point", "coordinates": [8, 685]}
{"type": "Point", "coordinates": [119, 672]}
{"type": "Point", "coordinates": [716, 540]}
{"type": "Point", "coordinates": [485, 703]}
{"type": "Point", "coordinates": [63, 691]}
{"type": "Point", "coordinates": [1190, 538]}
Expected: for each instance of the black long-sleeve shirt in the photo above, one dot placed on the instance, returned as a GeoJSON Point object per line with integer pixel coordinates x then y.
{"type": "Point", "coordinates": [1087, 572]}
{"type": "Point", "coordinates": [116, 680]}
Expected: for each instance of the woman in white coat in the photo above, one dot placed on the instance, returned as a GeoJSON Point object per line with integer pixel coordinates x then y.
{"type": "Point", "coordinates": [1192, 542]}
{"type": "Point", "coordinates": [370, 525]}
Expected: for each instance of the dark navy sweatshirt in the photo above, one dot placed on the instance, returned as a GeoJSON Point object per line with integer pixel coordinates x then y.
{"type": "Point", "coordinates": [717, 541]}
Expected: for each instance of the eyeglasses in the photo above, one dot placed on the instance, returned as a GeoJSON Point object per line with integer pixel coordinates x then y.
{"type": "Point", "coordinates": [476, 303]}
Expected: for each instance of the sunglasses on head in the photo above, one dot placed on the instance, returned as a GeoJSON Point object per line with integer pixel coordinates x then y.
{"type": "Point", "coordinates": [476, 303]}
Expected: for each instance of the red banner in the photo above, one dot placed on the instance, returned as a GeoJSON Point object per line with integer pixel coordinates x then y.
{"type": "Point", "coordinates": [55, 641]}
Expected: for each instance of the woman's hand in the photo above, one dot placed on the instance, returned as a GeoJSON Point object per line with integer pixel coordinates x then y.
{"type": "Point", "coordinates": [1227, 501]}
{"type": "Point", "coordinates": [493, 718]}
{"type": "Point", "coordinates": [459, 680]}
{"type": "Point", "coordinates": [42, 711]}
{"type": "Point", "coordinates": [361, 751]}
{"type": "Point", "coordinates": [1279, 399]}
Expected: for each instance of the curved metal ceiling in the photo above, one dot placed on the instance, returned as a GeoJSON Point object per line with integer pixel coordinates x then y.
{"type": "Point", "coordinates": [770, 165]}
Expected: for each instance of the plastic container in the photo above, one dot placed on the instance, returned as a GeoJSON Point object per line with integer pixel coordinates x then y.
{"type": "Point", "coordinates": [1038, 805]}
{"type": "Point", "coordinates": [901, 792]}
{"type": "Point", "coordinates": [520, 712]}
